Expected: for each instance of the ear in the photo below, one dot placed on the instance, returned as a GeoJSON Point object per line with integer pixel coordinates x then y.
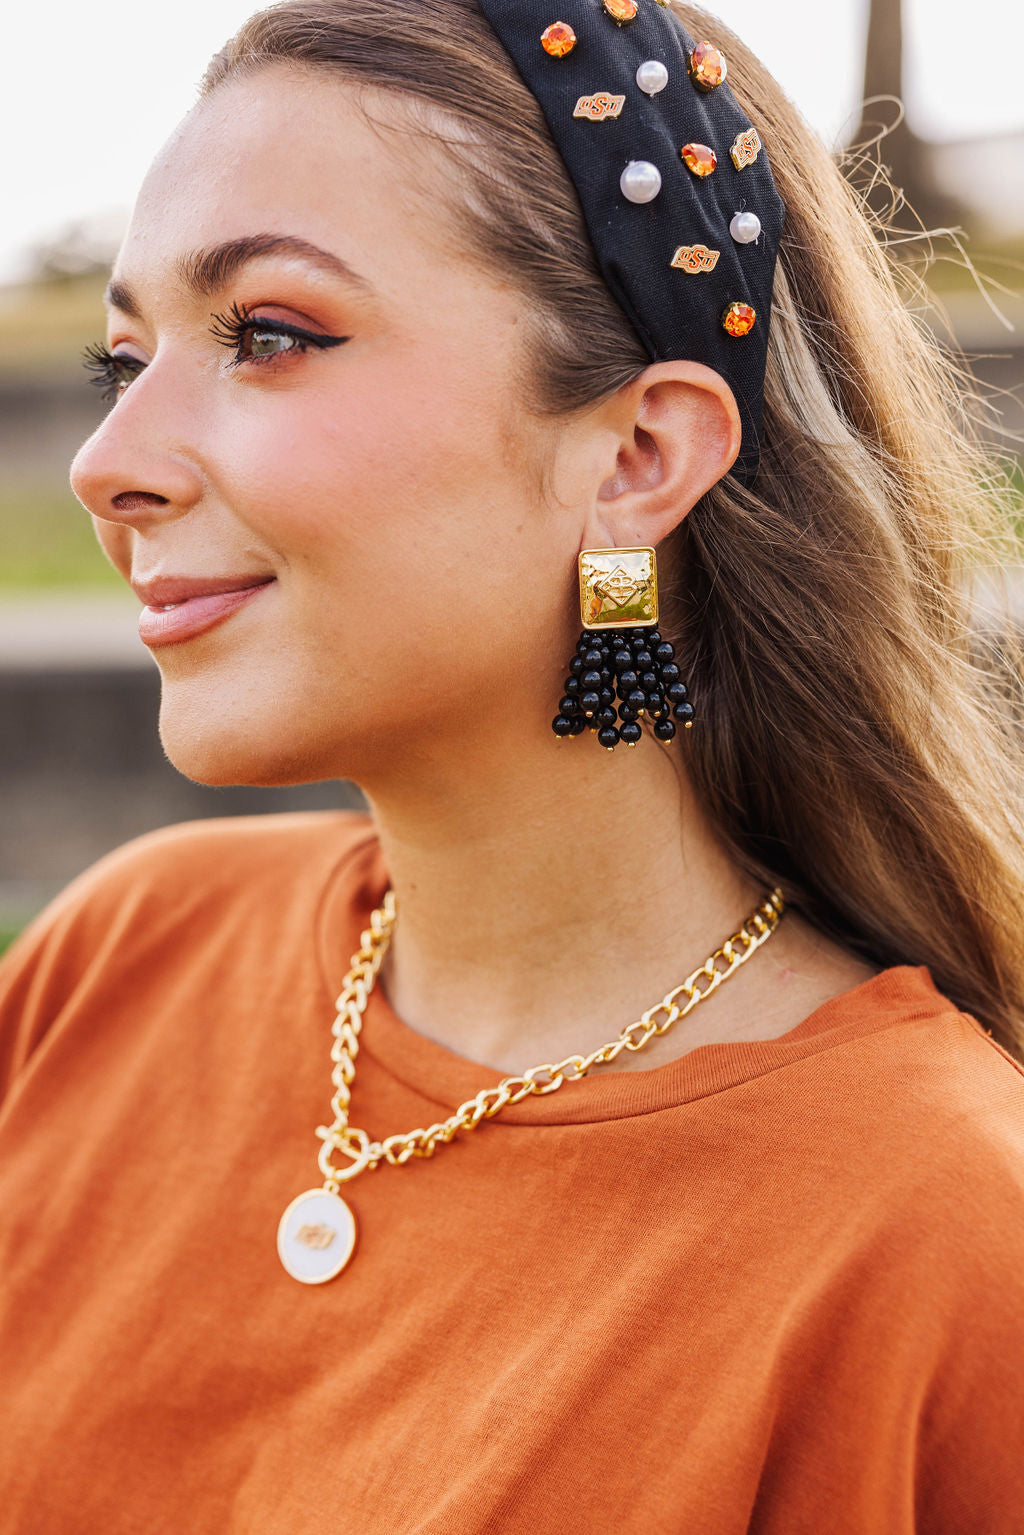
{"type": "Point", "coordinates": [676, 431]}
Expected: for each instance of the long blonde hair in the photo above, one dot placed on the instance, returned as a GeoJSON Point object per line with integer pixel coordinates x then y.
{"type": "Point", "coordinates": [857, 744]}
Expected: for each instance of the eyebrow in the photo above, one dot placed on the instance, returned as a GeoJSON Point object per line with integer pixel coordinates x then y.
{"type": "Point", "coordinates": [204, 272]}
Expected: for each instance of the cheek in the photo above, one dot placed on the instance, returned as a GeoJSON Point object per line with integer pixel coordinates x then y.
{"type": "Point", "coordinates": [394, 506]}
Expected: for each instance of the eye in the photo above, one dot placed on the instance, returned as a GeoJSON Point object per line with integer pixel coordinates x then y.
{"type": "Point", "coordinates": [254, 339]}
{"type": "Point", "coordinates": [111, 372]}
{"type": "Point", "coordinates": [268, 343]}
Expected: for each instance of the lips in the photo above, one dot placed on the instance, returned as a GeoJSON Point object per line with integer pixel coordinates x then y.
{"type": "Point", "coordinates": [167, 591]}
{"type": "Point", "coordinates": [179, 608]}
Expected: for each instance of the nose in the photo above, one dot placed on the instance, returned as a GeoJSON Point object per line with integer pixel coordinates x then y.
{"type": "Point", "coordinates": [134, 470]}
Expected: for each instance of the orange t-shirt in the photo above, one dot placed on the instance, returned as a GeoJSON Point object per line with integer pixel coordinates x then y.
{"type": "Point", "coordinates": [774, 1287]}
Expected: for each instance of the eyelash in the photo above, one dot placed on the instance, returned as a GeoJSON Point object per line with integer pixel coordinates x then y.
{"type": "Point", "coordinates": [229, 329]}
{"type": "Point", "coordinates": [107, 370]}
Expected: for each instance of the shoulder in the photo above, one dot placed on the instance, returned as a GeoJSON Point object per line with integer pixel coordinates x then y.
{"type": "Point", "coordinates": [187, 894]}
{"type": "Point", "coordinates": [193, 864]}
{"type": "Point", "coordinates": [945, 1101]}
{"type": "Point", "coordinates": [897, 1059]}
{"type": "Point", "coordinates": [955, 1100]}
{"type": "Point", "coordinates": [228, 845]}
{"type": "Point", "coordinates": [896, 1166]}
{"type": "Point", "coordinates": [930, 1112]}
{"type": "Point", "coordinates": [905, 1121]}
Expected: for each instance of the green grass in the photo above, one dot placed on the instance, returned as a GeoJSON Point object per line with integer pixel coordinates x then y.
{"type": "Point", "coordinates": [46, 540]}
{"type": "Point", "coordinates": [7, 936]}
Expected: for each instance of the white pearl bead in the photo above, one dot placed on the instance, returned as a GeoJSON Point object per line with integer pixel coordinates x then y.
{"type": "Point", "coordinates": [652, 77]}
{"type": "Point", "coordinates": [640, 181]}
{"type": "Point", "coordinates": [745, 227]}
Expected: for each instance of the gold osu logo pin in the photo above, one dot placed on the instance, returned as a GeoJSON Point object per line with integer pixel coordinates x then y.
{"type": "Point", "coordinates": [695, 258]}
{"type": "Point", "coordinates": [602, 104]}
{"type": "Point", "coordinates": [745, 148]}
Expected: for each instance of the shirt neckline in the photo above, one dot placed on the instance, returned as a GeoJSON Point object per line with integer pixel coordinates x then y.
{"type": "Point", "coordinates": [900, 994]}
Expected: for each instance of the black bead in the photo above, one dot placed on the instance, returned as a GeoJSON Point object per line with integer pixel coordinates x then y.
{"type": "Point", "coordinates": [590, 703]}
{"type": "Point", "coordinates": [592, 656]}
{"type": "Point", "coordinates": [664, 652]}
{"type": "Point", "coordinates": [637, 699]}
{"type": "Point", "coordinates": [579, 725]}
{"type": "Point", "coordinates": [623, 660]}
{"type": "Point", "coordinates": [607, 716]}
{"type": "Point", "coordinates": [653, 637]}
{"type": "Point", "coordinates": [649, 682]}
{"type": "Point", "coordinates": [670, 672]}
{"type": "Point", "coordinates": [608, 736]}
{"type": "Point", "coordinates": [606, 696]}
{"type": "Point", "coordinates": [628, 681]}
{"type": "Point", "coordinates": [607, 677]}
{"type": "Point", "coordinates": [591, 678]}
{"type": "Point", "coordinates": [630, 734]}
{"type": "Point", "coordinates": [664, 730]}
{"type": "Point", "coordinates": [675, 692]}
{"type": "Point", "coordinates": [657, 708]}
{"type": "Point", "coordinates": [683, 712]}
{"type": "Point", "coordinates": [627, 714]}
{"type": "Point", "coordinates": [572, 686]}
{"type": "Point", "coordinates": [644, 660]}
{"type": "Point", "coordinates": [568, 706]}
{"type": "Point", "coordinates": [576, 665]}
{"type": "Point", "coordinates": [561, 726]}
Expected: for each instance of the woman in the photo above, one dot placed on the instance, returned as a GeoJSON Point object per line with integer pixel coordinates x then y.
{"type": "Point", "coordinates": [373, 396]}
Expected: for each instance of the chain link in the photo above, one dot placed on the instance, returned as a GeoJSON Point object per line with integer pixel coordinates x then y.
{"type": "Point", "coordinates": [365, 1155]}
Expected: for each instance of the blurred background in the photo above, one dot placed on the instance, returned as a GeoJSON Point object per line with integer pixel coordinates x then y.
{"type": "Point", "coordinates": [919, 88]}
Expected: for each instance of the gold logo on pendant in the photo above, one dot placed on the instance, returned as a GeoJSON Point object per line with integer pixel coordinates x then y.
{"type": "Point", "coordinates": [618, 587]}
{"type": "Point", "coordinates": [695, 258]}
{"type": "Point", "coordinates": [316, 1236]}
{"type": "Point", "coordinates": [745, 148]}
{"type": "Point", "coordinates": [599, 106]}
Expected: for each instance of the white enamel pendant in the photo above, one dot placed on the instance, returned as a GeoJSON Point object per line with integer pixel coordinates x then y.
{"type": "Point", "coordinates": [316, 1236]}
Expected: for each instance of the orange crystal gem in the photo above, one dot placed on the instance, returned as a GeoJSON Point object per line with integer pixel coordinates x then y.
{"type": "Point", "coordinates": [699, 158]}
{"type": "Point", "coordinates": [707, 66]}
{"type": "Point", "coordinates": [621, 10]}
{"type": "Point", "coordinates": [738, 318]}
{"type": "Point", "coordinates": [558, 39]}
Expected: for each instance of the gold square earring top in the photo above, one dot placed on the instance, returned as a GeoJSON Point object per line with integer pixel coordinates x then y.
{"type": "Point", "coordinates": [618, 588]}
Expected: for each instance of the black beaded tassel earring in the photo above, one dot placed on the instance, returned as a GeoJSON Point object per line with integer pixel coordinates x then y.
{"type": "Point", "coordinates": [621, 652]}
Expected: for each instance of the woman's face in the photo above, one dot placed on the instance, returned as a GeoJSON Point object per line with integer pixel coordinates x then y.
{"type": "Point", "coordinates": [357, 461]}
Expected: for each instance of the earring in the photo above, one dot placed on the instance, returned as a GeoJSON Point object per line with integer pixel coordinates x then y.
{"type": "Point", "coordinates": [621, 652]}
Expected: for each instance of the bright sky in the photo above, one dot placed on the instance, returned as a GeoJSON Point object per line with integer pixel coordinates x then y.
{"type": "Point", "coordinates": [93, 87]}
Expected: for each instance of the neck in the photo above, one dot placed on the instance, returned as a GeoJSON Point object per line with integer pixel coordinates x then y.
{"type": "Point", "coordinates": [548, 895]}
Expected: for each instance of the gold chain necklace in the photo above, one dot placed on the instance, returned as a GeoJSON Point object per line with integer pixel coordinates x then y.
{"type": "Point", "coordinates": [317, 1231]}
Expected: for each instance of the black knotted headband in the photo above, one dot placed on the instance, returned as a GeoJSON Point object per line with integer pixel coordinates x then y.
{"type": "Point", "coordinates": [676, 310]}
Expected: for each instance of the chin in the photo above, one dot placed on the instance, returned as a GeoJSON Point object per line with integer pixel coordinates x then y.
{"type": "Point", "coordinates": [224, 751]}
